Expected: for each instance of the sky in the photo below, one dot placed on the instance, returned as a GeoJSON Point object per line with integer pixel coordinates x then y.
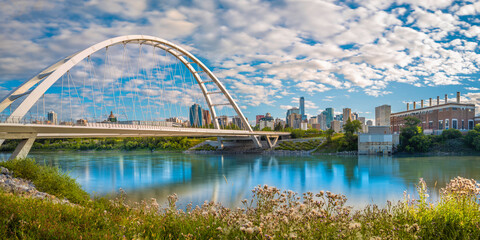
{"type": "Point", "coordinates": [358, 53]}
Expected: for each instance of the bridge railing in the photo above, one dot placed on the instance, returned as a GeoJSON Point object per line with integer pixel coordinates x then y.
{"type": "Point", "coordinates": [129, 125]}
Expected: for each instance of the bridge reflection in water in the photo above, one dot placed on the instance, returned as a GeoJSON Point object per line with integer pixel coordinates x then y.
{"type": "Point", "coordinates": [229, 179]}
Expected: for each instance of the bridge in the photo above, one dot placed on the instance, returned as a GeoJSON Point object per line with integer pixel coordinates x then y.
{"type": "Point", "coordinates": [155, 87]}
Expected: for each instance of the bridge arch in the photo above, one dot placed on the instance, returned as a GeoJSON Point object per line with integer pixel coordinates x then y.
{"type": "Point", "coordinates": [46, 78]}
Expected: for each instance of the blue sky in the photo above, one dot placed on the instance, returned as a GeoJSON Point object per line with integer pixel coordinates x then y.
{"type": "Point", "coordinates": [357, 54]}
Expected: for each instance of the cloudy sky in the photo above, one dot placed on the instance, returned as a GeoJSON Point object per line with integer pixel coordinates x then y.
{"type": "Point", "coordinates": [357, 53]}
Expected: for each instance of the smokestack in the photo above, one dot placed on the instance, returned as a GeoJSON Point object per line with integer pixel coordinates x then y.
{"type": "Point", "coordinates": [438, 100]}
{"type": "Point", "coordinates": [408, 106]}
{"type": "Point", "coordinates": [414, 105]}
{"type": "Point", "coordinates": [430, 102]}
{"type": "Point", "coordinates": [421, 103]}
{"type": "Point", "coordinates": [458, 97]}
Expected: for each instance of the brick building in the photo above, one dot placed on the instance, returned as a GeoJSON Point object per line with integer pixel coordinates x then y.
{"type": "Point", "coordinates": [435, 118]}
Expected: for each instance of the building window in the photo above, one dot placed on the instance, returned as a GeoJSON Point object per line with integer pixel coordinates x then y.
{"type": "Point", "coordinates": [454, 124]}
{"type": "Point", "coordinates": [470, 124]}
{"type": "Point", "coordinates": [430, 125]}
{"type": "Point", "coordinates": [446, 123]}
{"type": "Point", "coordinates": [463, 124]}
{"type": "Point", "coordinates": [454, 108]}
{"type": "Point", "coordinates": [440, 125]}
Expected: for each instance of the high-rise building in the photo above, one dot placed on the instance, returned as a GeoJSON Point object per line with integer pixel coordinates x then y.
{"type": "Point", "coordinates": [258, 117]}
{"type": "Point", "coordinates": [362, 120]}
{"type": "Point", "coordinates": [267, 121]}
{"type": "Point", "coordinates": [312, 120]}
{"type": "Point", "coordinates": [369, 123]}
{"type": "Point", "coordinates": [290, 112]}
{"type": "Point", "coordinates": [52, 117]}
{"type": "Point", "coordinates": [335, 126]}
{"type": "Point", "coordinates": [222, 121]}
{"type": "Point", "coordinates": [347, 115]}
{"type": "Point", "coordinates": [329, 116]}
{"type": "Point", "coordinates": [302, 108]}
{"type": "Point", "coordinates": [354, 116]}
{"type": "Point", "coordinates": [322, 120]}
{"type": "Point", "coordinates": [382, 115]}
{"type": "Point", "coordinates": [196, 115]}
{"type": "Point", "coordinates": [237, 121]}
{"type": "Point", "coordinates": [207, 118]}
{"type": "Point", "coordinates": [294, 120]}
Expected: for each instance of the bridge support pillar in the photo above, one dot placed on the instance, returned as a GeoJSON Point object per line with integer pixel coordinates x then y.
{"type": "Point", "coordinates": [23, 148]}
{"type": "Point", "coordinates": [220, 142]}
{"type": "Point", "coordinates": [270, 139]}
{"type": "Point", "coordinates": [256, 141]}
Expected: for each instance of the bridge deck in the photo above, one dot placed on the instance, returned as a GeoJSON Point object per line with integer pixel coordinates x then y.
{"type": "Point", "coordinates": [98, 130]}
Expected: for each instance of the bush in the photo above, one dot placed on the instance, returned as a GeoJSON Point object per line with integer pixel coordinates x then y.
{"type": "Point", "coordinates": [47, 179]}
{"type": "Point", "coordinates": [451, 134]}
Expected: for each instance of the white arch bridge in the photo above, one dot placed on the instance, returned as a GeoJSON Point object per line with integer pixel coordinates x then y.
{"type": "Point", "coordinates": [147, 85]}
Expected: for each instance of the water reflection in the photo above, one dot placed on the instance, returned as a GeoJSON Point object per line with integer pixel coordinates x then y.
{"type": "Point", "coordinates": [229, 179]}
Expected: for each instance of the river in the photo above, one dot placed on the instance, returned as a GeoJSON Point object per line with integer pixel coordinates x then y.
{"type": "Point", "coordinates": [230, 178]}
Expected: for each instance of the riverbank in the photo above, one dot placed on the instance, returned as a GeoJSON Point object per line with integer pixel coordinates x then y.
{"type": "Point", "coordinates": [269, 214]}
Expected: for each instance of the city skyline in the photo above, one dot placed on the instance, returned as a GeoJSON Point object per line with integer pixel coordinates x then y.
{"type": "Point", "coordinates": [356, 54]}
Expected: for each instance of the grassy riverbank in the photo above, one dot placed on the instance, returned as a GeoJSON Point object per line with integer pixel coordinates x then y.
{"type": "Point", "coordinates": [100, 144]}
{"type": "Point", "coordinates": [270, 213]}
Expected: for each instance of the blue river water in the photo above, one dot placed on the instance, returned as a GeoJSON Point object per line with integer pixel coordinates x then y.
{"type": "Point", "coordinates": [230, 178]}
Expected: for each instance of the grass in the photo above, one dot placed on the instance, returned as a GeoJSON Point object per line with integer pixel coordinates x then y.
{"type": "Point", "coordinates": [298, 146]}
{"type": "Point", "coordinates": [47, 179]}
{"type": "Point", "coordinates": [269, 214]}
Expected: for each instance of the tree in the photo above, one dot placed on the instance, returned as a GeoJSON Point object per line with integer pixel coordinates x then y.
{"type": "Point", "coordinates": [329, 133]}
{"type": "Point", "coordinates": [352, 126]}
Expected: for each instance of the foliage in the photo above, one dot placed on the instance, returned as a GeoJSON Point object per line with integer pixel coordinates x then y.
{"type": "Point", "coordinates": [350, 139]}
{"type": "Point", "coordinates": [47, 179]}
{"type": "Point", "coordinates": [270, 213]}
{"type": "Point", "coordinates": [451, 134]}
{"type": "Point", "coordinates": [298, 133]}
{"type": "Point", "coordinates": [472, 138]}
{"type": "Point", "coordinates": [206, 147]}
{"type": "Point", "coordinates": [412, 138]}
{"type": "Point", "coordinates": [140, 143]}
{"type": "Point", "coordinates": [299, 146]}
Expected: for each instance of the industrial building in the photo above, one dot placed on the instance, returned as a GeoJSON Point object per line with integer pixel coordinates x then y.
{"type": "Point", "coordinates": [435, 118]}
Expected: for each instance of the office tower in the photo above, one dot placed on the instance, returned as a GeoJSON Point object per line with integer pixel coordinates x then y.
{"type": "Point", "coordinates": [196, 115]}
{"type": "Point", "coordinates": [322, 120]}
{"type": "Point", "coordinates": [237, 121]}
{"type": "Point", "coordinates": [52, 117]}
{"type": "Point", "coordinates": [347, 115]}
{"type": "Point", "coordinates": [382, 115]}
{"type": "Point", "coordinates": [294, 120]}
{"type": "Point", "coordinates": [329, 116]}
{"type": "Point", "coordinates": [267, 121]}
{"type": "Point", "coordinates": [302, 108]}
{"type": "Point", "coordinates": [312, 120]}
{"type": "Point", "coordinates": [335, 126]}
{"type": "Point", "coordinates": [207, 118]}
{"type": "Point", "coordinates": [258, 117]}
{"type": "Point", "coordinates": [354, 116]}
{"type": "Point", "coordinates": [290, 112]}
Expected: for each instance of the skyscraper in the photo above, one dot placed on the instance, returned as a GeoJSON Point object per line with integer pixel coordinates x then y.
{"type": "Point", "coordinates": [347, 114]}
{"type": "Point", "coordinates": [329, 116]}
{"type": "Point", "coordinates": [382, 115]}
{"type": "Point", "coordinates": [196, 115]}
{"type": "Point", "coordinates": [290, 112]}
{"type": "Point", "coordinates": [207, 118]}
{"type": "Point", "coordinates": [302, 108]}
{"type": "Point", "coordinates": [52, 117]}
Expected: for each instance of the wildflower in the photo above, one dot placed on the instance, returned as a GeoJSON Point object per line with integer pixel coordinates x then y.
{"type": "Point", "coordinates": [354, 225]}
{"type": "Point", "coordinates": [249, 230]}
